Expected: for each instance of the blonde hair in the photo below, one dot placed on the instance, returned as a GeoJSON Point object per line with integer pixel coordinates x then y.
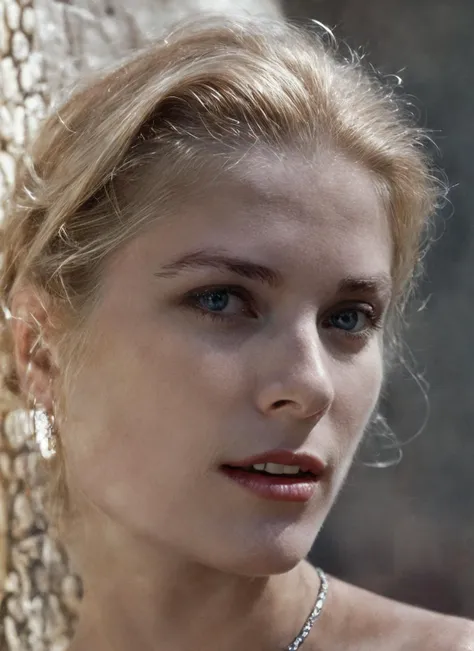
{"type": "Point", "coordinates": [212, 88]}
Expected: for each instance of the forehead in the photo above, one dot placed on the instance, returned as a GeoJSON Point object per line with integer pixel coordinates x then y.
{"type": "Point", "coordinates": [322, 216]}
{"type": "Point", "coordinates": [327, 195]}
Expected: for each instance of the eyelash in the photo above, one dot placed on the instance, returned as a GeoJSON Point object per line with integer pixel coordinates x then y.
{"type": "Point", "coordinates": [239, 292]}
{"type": "Point", "coordinates": [375, 319]}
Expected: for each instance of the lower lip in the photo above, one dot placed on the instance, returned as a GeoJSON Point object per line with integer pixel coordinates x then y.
{"type": "Point", "coordinates": [282, 489]}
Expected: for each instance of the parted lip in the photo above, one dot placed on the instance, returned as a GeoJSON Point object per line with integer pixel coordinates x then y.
{"type": "Point", "coordinates": [306, 462]}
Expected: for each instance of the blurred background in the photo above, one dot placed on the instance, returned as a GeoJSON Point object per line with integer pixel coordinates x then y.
{"type": "Point", "coordinates": [406, 531]}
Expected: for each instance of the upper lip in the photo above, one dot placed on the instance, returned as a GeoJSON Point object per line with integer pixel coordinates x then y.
{"type": "Point", "coordinates": [305, 461]}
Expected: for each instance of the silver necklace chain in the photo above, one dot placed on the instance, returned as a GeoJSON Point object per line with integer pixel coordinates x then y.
{"type": "Point", "coordinates": [314, 614]}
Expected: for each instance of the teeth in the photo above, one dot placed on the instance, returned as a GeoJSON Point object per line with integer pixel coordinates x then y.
{"type": "Point", "coordinates": [274, 468]}
{"type": "Point", "coordinates": [291, 470]}
{"type": "Point", "coordinates": [277, 468]}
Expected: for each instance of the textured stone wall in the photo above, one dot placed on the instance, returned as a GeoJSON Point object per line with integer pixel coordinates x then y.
{"type": "Point", "coordinates": [41, 593]}
{"type": "Point", "coordinates": [21, 86]}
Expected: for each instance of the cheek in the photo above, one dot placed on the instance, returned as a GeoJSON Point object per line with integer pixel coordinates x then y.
{"type": "Point", "coordinates": [148, 414]}
{"type": "Point", "coordinates": [358, 386]}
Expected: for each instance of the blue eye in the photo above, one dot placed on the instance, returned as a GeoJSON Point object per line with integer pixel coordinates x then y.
{"type": "Point", "coordinates": [214, 300]}
{"type": "Point", "coordinates": [352, 321]}
{"type": "Point", "coordinates": [222, 303]}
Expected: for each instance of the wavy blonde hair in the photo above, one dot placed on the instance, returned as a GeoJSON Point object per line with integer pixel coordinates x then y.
{"type": "Point", "coordinates": [213, 88]}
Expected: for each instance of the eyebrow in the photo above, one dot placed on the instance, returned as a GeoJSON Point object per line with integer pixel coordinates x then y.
{"type": "Point", "coordinates": [223, 262]}
{"type": "Point", "coordinates": [375, 284]}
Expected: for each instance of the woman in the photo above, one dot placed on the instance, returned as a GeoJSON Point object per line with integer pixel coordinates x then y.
{"type": "Point", "coordinates": [203, 263]}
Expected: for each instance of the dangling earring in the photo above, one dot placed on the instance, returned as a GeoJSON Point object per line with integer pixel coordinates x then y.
{"type": "Point", "coordinates": [44, 431]}
{"type": "Point", "coordinates": [43, 423]}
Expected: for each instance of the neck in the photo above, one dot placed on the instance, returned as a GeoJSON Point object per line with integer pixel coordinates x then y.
{"type": "Point", "coordinates": [147, 596]}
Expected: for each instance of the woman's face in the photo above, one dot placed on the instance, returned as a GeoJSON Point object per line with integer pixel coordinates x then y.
{"type": "Point", "coordinates": [249, 322]}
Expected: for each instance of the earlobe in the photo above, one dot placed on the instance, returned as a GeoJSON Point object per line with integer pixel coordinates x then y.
{"type": "Point", "coordinates": [32, 355]}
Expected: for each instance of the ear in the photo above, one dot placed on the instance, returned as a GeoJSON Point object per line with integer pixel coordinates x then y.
{"type": "Point", "coordinates": [34, 358]}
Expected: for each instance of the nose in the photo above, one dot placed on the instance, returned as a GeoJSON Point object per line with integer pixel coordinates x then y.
{"type": "Point", "coordinates": [296, 381]}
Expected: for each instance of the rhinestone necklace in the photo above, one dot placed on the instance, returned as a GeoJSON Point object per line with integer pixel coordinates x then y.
{"type": "Point", "coordinates": [314, 614]}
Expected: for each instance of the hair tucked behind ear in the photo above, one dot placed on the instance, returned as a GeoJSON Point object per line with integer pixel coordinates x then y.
{"type": "Point", "coordinates": [213, 88]}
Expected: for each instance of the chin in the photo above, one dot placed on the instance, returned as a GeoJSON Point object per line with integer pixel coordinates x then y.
{"type": "Point", "coordinates": [268, 562]}
{"type": "Point", "coordinates": [270, 565]}
{"type": "Point", "coordinates": [263, 556]}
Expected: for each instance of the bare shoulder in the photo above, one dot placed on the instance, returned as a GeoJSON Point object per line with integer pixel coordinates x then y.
{"type": "Point", "coordinates": [465, 633]}
{"type": "Point", "coordinates": [372, 622]}
{"type": "Point", "coordinates": [436, 632]}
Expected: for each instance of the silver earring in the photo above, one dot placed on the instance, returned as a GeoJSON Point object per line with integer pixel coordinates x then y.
{"type": "Point", "coordinates": [44, 431]}
{"type": "Point", "coordinates": [43, 425]}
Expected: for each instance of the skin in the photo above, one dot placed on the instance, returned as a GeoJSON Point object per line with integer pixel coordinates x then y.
{"type": "Point", "coordinates": [173, 554]}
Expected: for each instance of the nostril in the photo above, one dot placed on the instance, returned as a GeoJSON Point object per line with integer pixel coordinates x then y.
{"type": "Point", "coordinates": [281, 403]}
{"type": "Point", "coordinates": [298, 409]}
